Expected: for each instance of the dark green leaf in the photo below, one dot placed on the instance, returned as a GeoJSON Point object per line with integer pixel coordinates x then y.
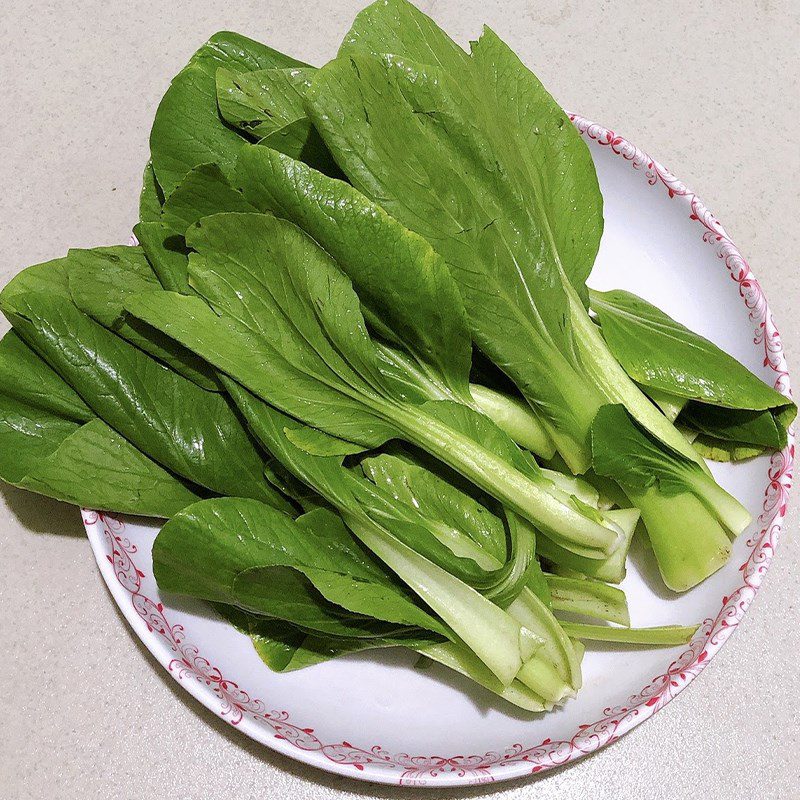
{"type": "Point", "coordinates": [89, 465]}
{"type": "Point", "coordinates": [716, 450]}
{"type": "Point", "coordinates": [102, 279]}
{"type": "Point", "coordinates": [287, 594]}
{"type": "Point", "coordinates": [50, 277]}
{"type": "Point", "coordinates": [269, 105]}
{"type": "Point", "coordinates": [27, 378]}
{"type": "Point", "coordinates": [735, 425]}
{"type": "Point", "coordinates": [658, 351]}
{"type": "Point", "coordinates": [228, 550]}
{"type": "Point", "coordinates": [317, 443]}
{"type": "Point", "coordinates": [516, 114]}
{"type": "Point", "coordinates": [300, 140]}
{"type": "Point", "coordinates": [676, 492]}
{"type": "Point", "coordinates": [291, 329]}
{"type": "Point", "coordinates": [443, 163]}
{"type": "Point", "coordinates": [27, 436]}
{"type": "Point", "coordinates": [393, 26]}
{"type": "Point", "coordinates": [346, 489]}
{"type": "Point", "coordinates": [190, 431]}
{"type": "Point", "coordinates": [633, 457]}
{"type": "Point", "coordinates": [285, 648]}
{"type": "Point", "coordinates": [438, 500]}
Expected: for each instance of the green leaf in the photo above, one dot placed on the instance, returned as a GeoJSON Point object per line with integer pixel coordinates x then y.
{"type": "Point", "coordinates": [273, 280]}
{"type": "Point", "coordinates": [89, 465]}
{"type": "Point", "coordinates": [240, 551]}
{"type": "Point", "coordinates": [631, 456]}
{"type": "Point", "coordinates": [299, 139]}
{"type": "Point", "coordinates": [269, 105]}
{"type": "Point", "coordinates": [187, 129]}
{"type": "Point", "coordinates": [735, 425]}
{"type": "Point", "coordinates": [409, 529]}
{"type": "Point", "coordinates": [478, 159]}
{"type": "Point", "coordinates": [637, 460]}
{"type": "Point", "coordinates": [166, 252]}
{"type": "Point", "coordinates": [204, 191]}
{"type": "Point", "coordinates": [151, 198]}
{"type": "Point", "coordinates": [271, 427]}
{"type": "Point", "coordinates": [285, 648]}
{"type": "Point", "coordinates": [398, 277]}
{"type": "Point", "coordinates": [194, 433]}
{"type": "Point", "coordinates": [92, 276]}
{"type": "Point", "coordinates": [51, 277]}
{"type": "Point", "coordinates": [525, 118]}
{"type": "Point", "coordinates": [397, 27]}
{"type": "Point", "coordinates": [282, 646]}
{"type": "Point", "coordinates": [263, 101]}
{"type": "Point", "coordinates": [96, 468]}
{"type": "Point", "coordinates": [381, 600]}
{"type": "Point", "coordinates": [289, 315]}
{"type": "Point", "coordinates": [656, 350]}
{"type": "Point", "coordinates": [291, 331]}
{"type": "Point", "coordinates": [716, 450]}
{"type": "Point", "coordinates": [287, 594]}
{"type": "Point", "coordinates": [477, 194]}
{"type": "Point", "coordinates": [457, 513]}
{"type": "Point", "coordinates": [674, 490]}
{"type": "Point", "coordinates": [27, 378]}
{"type": "Point", "coordinates": [317, 443]}
{"type": "Point", "coordinates": [102, 279]}
{"type": "Point", "coordinates": [28, 435]}
{"type": "Point", "coordinates": [348, 491]}
{"type": "Point", "coordinates": [248, 358]}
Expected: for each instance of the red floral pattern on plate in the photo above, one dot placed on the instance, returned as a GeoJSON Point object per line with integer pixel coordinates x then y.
{"type": "Point", "coordinates": [235, 704]}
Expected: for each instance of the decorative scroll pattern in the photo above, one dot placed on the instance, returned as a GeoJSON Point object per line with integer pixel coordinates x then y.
{"type": "Point", "coordinates": [234, 703]}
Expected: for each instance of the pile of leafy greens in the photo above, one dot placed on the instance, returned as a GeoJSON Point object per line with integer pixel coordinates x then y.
{"type": "Point", "coordinates": [354, 363]}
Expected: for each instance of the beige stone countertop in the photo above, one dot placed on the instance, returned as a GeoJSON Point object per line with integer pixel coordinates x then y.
{"type": "Point", "coordinates": [710, 89]}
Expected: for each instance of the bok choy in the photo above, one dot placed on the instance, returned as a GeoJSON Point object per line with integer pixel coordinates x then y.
{"type": "Point", "coordinates": [355, 364]}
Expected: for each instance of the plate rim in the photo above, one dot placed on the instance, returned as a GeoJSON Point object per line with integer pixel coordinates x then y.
{"type": "Point", "coordinates": [172, 648]}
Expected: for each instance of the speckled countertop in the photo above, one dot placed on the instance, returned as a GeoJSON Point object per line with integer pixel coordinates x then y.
{"type": "Point", "coordinates": [710, 89]}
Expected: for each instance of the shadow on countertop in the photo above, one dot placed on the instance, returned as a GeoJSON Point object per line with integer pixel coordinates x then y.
{"type": "Point", "coordinates": [40, 514]}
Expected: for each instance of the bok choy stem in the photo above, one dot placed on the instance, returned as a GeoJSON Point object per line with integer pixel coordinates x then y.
{"type": "Point", "coordinates": [500, 641]}
{"type": "Point", "coordinates": [552, 514]}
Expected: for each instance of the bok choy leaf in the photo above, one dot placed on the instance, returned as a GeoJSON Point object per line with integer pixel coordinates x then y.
{"type": "Point", "coordinates": [191, 432]}
{"type": "Point", "coordinates": [471, 152]}
{"type": "Point", "coordinates": [287, 324]}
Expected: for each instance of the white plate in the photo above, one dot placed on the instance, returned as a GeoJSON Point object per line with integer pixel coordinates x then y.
{"type": "Point", "coordinates": [373, 716]}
